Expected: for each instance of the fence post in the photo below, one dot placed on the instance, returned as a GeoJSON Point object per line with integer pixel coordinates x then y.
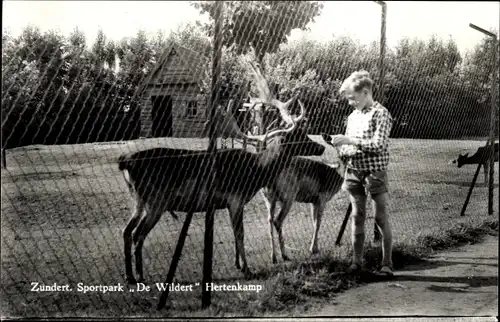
{"type": "Point", "coordinates": [380, 95]}
{"type": "Point", "coordinates": [490, 146]}
{"type": "Point", "coordinates": [208, 183]}
{"type": "Point", "coordinates": [4, 158]}
{"type": "Point", "coordinates": [381, 66]}
{"type": "Point", "coordinates": [492, 126]}
{"type": "Point", "coordinates": [206, 294]}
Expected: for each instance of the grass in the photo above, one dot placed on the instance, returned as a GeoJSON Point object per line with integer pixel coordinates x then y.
{"type": "Point", "coordinates": [64, 208]}
{"type": "Point", "coordinates": [324, 276]}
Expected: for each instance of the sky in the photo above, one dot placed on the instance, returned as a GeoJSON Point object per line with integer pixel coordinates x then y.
{"type": "Point", "coordinates": [359, 19]}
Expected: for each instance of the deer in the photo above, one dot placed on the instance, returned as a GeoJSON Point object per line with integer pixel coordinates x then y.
{"type": "Point", "coordinates": [480, 157]}
{"type": "Point", "coordinates": [304, 181]}
{"type": "Point", "coordinates": [163, 180]}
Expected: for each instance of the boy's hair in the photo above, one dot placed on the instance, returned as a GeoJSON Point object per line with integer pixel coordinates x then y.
{"type": "Point", "coordinates": [357, 81]}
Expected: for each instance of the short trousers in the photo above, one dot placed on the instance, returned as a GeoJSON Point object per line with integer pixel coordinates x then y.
{"type": "Point", "coordinates": [361, 182]}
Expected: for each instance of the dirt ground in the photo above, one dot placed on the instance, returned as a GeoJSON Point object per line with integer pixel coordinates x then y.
{"type": "Point", "coordinates": [64, 209]}
{"type": "Point", "coordinates": [459, 282]}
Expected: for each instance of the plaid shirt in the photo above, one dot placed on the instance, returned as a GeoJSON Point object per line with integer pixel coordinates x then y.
{"type": "Point", "coordinates": [372, 125]}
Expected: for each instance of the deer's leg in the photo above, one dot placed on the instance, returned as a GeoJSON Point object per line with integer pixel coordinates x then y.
{"type": "Point", "coordinates": [317, 212]}
{"type": "Point", "coordinates": [127, 239]}
{"type": "Point", "coordinates": [137, 231]}
{"type": "Point", "coordinates": [236, 250]}
{"type": "Point", "coordinates": [232, 216]}
{"type": "Point", "coordinates": [278, 224]}
{"type": "Point", "coordinates": [270, 201]}
{"type": "Point", "coordinates": [236, 213]}
{"type": "Point", "coordinates": [146, 225]}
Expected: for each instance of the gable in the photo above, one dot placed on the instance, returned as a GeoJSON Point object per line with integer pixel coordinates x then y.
{"type": "Point", "coordinates": [178, 66]}
{"type": "Point", "coordinates": [173, 71]}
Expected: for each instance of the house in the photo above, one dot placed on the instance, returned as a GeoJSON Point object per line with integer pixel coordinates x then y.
{"type": "Point", "coordinates": [172, 101]}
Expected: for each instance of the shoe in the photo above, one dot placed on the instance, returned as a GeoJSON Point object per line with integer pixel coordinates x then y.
{"type": "Point", "coordinates": [386, 270]}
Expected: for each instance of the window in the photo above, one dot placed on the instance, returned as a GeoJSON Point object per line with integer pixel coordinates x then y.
{"type": "Point", "coordinates": [192, 109]}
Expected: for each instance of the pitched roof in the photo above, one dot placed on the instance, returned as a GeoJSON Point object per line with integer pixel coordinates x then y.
{"type": "Point", "coordinates": [196, 63]}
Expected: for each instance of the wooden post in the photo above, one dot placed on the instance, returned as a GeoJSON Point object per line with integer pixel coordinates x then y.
{"type": "Point", "coordinates": [382, 51]}
{"type": "Point", "coordinates": [208, 183]}
{"type": "Point", "coordinates": [376, 233]}
{"type": "Point", "coordinates": [4, 158]}
{"type": "Point", "coordinates": [473, 183]}
{"type": "Point", "coordinates": [259, 120]}
{"type": "Point", "coordinates": [491, 138]}
{"type": "Point", "coordinates": [206, 294]}
{"type": "Point", "coordinates": [492, 126]}
{"type": "Point", "coordinates": [175, 259]}
{"type": "Point", "coordinates": [344, 224]}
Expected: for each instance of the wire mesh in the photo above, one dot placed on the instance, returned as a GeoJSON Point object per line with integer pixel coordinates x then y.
{"type": "Point", "coordinates": [69, 111]}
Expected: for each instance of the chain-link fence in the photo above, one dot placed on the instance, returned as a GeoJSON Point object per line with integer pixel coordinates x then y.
{"type": "Point", "coordinates": [70, 111]}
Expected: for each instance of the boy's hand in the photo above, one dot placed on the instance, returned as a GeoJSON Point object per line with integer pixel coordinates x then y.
{"type": "Point", "coordinates": [343, 140]}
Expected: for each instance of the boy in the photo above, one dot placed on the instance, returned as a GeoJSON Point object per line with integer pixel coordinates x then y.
{"type": "Point", "coordinates": [364, 147]}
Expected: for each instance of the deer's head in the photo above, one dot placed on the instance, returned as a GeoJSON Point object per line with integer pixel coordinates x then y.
{"type": "Point", "coordinates": [462, 158]}
{"type": "Point", "coordinates": [340, 166]}
{"type": "Point", "coordinates": [291, 139]}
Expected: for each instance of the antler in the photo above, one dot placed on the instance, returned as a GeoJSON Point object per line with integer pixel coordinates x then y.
{"type": "Point", "coordinates": [261, 83]}
{"type": "Point", "coordinates": [272, 134]}
{"type": "Point", "coordinates": [283, 108]}
{"type": "Point", "coordinates": [265, 93]}
{"type": "Point", "coordinates": [226, 125]}
{"type": "Point", "coordinates": [266, 98]}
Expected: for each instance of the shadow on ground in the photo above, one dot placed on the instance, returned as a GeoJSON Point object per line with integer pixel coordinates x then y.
{"type": "Point", "coordinates": [460, 183]}
{"type": "Point", "coordinates": [441, 263]}
{"type": "Point", "coordinates": [36, 176]}
{"type": "Point", "coordinates": [470, 281]}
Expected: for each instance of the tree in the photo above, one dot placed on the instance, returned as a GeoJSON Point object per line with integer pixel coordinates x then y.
{"type": "Point", "coordinates": [192, 36]}
{"type": "Point", "coordinates": [30, 70]}
{"type": "Point", "coordinates": [136, 58]}
{"type": "Point", "coordinates": [158, 45]}
{"type": "Point", "coordinates": [99, 49]}
{"type": "Point", "coordinates": [452, 57]}
{"type": "Point", "coordinates": [261, 25]}
{"type": "Point", "coordinates": [478, 65]}
{"type": "Point", "coordinates": [477, 72]}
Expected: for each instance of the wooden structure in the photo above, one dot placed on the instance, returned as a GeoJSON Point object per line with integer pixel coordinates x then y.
{"type": "Point", "coordinates": [172, 101]}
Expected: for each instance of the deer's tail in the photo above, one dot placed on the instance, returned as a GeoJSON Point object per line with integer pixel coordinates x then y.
{"type": "Point", "coordinates": [123, 162]}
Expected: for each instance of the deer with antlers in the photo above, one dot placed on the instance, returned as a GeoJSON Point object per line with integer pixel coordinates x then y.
{"type": "Point", "coordinates": [163, 179]}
